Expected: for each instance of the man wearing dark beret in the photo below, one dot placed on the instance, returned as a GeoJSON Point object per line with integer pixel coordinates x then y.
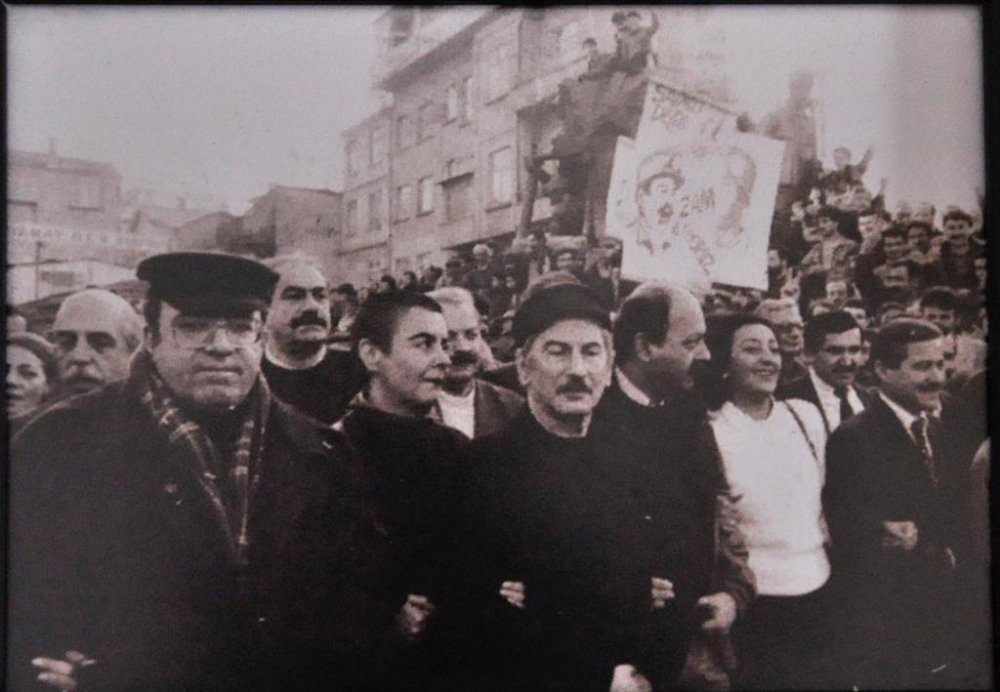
{"type": "Point", "coordinates": [560, 577]}
{"type": "Point", "coordinates": [167, 529]}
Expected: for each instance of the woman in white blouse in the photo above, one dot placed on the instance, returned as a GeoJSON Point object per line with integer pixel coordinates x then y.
{"type": "Point", "coordinates": [773, 457]}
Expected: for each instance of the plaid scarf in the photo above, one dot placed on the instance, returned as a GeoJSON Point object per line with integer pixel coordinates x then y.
{"type": "Point", "coordinates": [192, 449]}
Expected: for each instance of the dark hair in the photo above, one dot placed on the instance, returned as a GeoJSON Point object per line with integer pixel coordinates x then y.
{"type": "Point", "coordinates": [719, 339]}
{"type": "Point", "coordinates": [918, 224]}
{"type": "Point", "coordinates": [346, 289]}
{"type": "Point", "coordinates": [388, 280]}
{"type": "Point", "coordinates": [818, 327]}
{"type": "Point", "coordinates": [377, 319]}
{"type": "Point", "coordinates": [956, 214]}
{"type": "Point", "coordinates": [645, 313]}
{"type": "Point", "coordinates": [410, 274]}
{"type": "Point", "coordinates": [831, 213]}
{"type": "Point", "coordinates": [891, 345]}
{"type": "Point", "coordinates": [894, 231]}
{"type": "Point", "coordinates": [856, 303]}
{"type": "Point", "coordinates": [940, 297]}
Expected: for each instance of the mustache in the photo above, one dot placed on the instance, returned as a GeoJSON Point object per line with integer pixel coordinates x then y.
{"type": "Point", "coordinates": [464, 358]}
{"type": "Point", "coordinates": [845, 368]}
{"type": "Point", "coordinates": [930, 388]}
{"type": "Point", "coordinates": [575, 386]}
{"type": "Point", "coordinates": [307, 318]}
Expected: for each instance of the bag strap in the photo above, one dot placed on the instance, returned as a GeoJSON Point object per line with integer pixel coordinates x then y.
{"type": "Point", "coordinates": [802, 428]}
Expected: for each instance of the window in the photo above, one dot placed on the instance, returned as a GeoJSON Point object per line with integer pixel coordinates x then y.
{"type": "Point", "coordinates": [457, 197]}
{"type": "Point", "coordinates": [500, 66]}
{"type": "Point", "coordinates": [502, 175]}
{"type": "Point", "coordinates": [352, 217]}
{"type": "Point", "coordinates": [353, 157]}
{"type": "Point", "coordinates": [404, 194]}
{"type": "Point", "coordinates": [424, 121]}
{"type": "Point", "coordinates": [375, 210]}
{"type": "Point", "coordinates": [404, 132]}
{"type": "Point", "coordinates": [376, 146]}
{"type": "Point", "coordinates": [466, 99]}
{"type": "Point", "coordinates": [570, 43]}
{"type": "Point", "coordinates": [426, 202]}
{"type": "Point", "coordinates": [86, 193]}
{"type": "Point", "coordinates": [453, 107]}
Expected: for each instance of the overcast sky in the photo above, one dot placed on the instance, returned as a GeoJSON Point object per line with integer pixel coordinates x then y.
{"type": "Point", "coordinates": [226, 101]}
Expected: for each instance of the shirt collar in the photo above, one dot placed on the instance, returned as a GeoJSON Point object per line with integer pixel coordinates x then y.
{"type": "Point", "coordinates": [631, 391]}
{"type": "Point", "coordinates": [904, 416]}
{"type": "Point", "coordinates": [282, 363]}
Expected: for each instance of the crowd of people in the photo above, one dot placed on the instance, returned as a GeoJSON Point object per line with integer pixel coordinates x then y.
{"type": "Point", "coordinates": [520, 471]}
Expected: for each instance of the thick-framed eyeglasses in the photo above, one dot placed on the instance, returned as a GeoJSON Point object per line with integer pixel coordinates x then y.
{"type": "Point", "coordinates": [198, 332]}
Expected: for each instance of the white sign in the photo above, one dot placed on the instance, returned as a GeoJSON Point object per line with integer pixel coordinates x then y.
{"type": "Point", "coordinates": [672, 115]}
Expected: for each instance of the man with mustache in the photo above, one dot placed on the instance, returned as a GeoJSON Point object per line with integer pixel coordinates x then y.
{"type": "Point", "coordinates": [407, 466]}
{"type": "Point", "coordinates": [95, 334]}
{"type": "Point", "coordinates": [168, 530]}
{"type": "Point", "coordinates": [472, 406]}
{"type": "Point", "coordinates": [658, 425]}
{"type": "Point", "coordinates": [564, 581]}
{"type": "Point", "coordinates": [886, 503]}
{"type": "Point", "coordinates": [833, 348]}
{"type": "Point", "coordinates": [300, 368]}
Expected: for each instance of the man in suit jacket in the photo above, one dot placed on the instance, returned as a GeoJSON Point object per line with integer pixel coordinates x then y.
{"type": "Point", "coordinates": [472, 406]}
{"type": "Point", "coordinates": [884, 501]}
{"type": "Point", "coordinates": [833, 349]}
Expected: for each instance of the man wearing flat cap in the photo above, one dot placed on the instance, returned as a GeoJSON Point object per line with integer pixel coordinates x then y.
{"type": "Point", "coordinates": [562, 580]}
{"type": "Point", "coordinates": [164, 528]}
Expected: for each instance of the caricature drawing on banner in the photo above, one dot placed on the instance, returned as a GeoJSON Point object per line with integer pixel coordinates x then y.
{"type": "Point", "coordinates": [691, 198]}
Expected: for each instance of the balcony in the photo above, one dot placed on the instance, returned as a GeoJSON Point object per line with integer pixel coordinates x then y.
{"type": "Point", "coordinates": [406, 34]}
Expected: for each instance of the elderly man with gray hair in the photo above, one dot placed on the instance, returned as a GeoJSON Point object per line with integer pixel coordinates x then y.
{"type": "Point", "coordinates": [786, 321]}
{"type": "Point", "coordinates": [95, 334]}
{"type": "Point", "coordinates": [472, 406]}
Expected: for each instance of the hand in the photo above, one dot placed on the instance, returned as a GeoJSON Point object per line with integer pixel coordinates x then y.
{"type": "Point", "coordinates": [414, 616]}
{"type": "Point", "coordinates": [513, 592]}
{"type": "Point", "coordinates": [627, 679]}
{"type": "Point", "coordinates": [662, 591]}
{"type": "Point", "coordinates": [899, 534]}
{"type": "Point", "coordinates": [62, 673]}
{"type": "Point", "coordinates": [723, 609]}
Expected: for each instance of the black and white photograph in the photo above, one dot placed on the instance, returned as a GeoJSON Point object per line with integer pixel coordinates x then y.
{"type": "Point", "coordinates": [600, 348]}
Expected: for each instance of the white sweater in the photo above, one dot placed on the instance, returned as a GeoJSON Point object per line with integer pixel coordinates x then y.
{"type": "Point", "coordinates": [777, 483]}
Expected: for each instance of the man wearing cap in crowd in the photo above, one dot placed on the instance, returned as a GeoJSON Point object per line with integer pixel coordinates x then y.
{"type": "Point", "coordinates": [31, 373]}
{"type": "Point", "coordinates": [344, 303]}
{"type": "Point", "coordinates": [668, 455]}
{"type": "Point", "coordinates": [298, 366]}
{"type": "Point", "coordinates": [551, 527]}
{"type": "Point", "coordinates": [166, 529]}
{"type": "Point", "coordinates": [407, 462]}
{"type": "Point", "coordinates": [471, 405]}
{"type": "Point", "coordinates": [786, 320]}
{"type": "Point", "coordinates": [95, 334]}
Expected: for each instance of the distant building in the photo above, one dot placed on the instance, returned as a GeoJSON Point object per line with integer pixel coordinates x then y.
{"type": "Point", "coordinates": [157, 213]}
{"type": "Point", "coordinates": [207, 232]}
{"type": "Point", "coordinates": [287, 219]}
{"type": "Point", "coordinates": [30, 281]}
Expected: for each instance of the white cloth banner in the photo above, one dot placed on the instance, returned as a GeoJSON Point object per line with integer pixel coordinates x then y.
{"type": "Point", "coordinates": [692, 200]}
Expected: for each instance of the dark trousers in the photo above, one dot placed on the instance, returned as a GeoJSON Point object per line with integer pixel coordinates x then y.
{"type": "Point", "coordinates": [783, 642]}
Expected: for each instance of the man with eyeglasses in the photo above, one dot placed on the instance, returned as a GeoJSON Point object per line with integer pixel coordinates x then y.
{"type": "Point", "coordinates": [167, 529]}
{"type": "Point", "coordinates": [786, 320]}
{"type": "Point", "coordinates": [298, 365]}
{"type": "Point", "coordinates": [95, 334]}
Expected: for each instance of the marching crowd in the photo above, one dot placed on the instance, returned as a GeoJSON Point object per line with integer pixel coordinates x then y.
{"type": "Point", "coordinates": [519, 472]}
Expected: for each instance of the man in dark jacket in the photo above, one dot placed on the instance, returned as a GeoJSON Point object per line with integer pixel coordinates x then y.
{"type": "Point", "coordinates": [885, 501]}
{"type": "Point", "coordinates": [566, 581]}
{"type": "Point", "coordinates": [659, 428]}
{"type": "Point", "coordinates": [173, 531]}
{"type": "Point", "coordinates": [299, 366]}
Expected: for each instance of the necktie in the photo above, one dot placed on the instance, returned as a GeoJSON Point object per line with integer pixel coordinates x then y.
{"type": "Point", "coordinates": [845, 406]}
{"type": "Point", "coordinates": [919, 430]}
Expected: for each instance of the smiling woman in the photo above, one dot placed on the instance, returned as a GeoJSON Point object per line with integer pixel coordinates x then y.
{"type": "Point", "coordinates": [773, 457]}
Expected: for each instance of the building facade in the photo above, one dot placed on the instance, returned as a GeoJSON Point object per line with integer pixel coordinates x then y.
{"type": "Point", "coordinates": [474, 91]}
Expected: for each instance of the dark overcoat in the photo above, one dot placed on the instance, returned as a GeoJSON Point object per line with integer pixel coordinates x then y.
{"type": "Point", "coordinates": [114, 552]}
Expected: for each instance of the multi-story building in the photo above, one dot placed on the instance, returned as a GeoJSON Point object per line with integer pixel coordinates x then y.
{"type": "Point", "coordinates": [66, 210]}
{"type": "Point", "coordinates": [474, 91]}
